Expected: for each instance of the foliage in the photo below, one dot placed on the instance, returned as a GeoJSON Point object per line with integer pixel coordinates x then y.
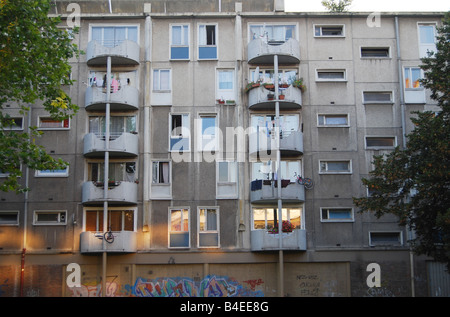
{"type": "Point", "coordinates": [286, 226]}
{"type": "Point", "coordinates": [413, 183]}
{"type": "Point", "coordinates": [340, 6]}
{"type": "Point", "coordinates": [34, 67]}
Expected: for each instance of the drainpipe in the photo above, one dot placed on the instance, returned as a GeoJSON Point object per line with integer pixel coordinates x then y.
{"type": "Point", "coordinates": [280, 203]}
{"type": "Point", "coordinates": [402, 104]}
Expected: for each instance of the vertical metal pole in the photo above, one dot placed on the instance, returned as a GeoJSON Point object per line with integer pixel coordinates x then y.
{"type": "Point", "coordinates": [280, 203]}
{"type": "Point", "coordinates": [106, 171]}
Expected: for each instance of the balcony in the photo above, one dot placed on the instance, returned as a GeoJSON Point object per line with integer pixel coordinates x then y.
{"type": "Point", "coordinates": [125, 98]}
{"type": "Point", "coordinates": [119, 193]}
{"type": "Point", "coordinates": [124, 53]}
{"type": "Point", "coordinates": [266, 192]}
{"type": "Point", "coordinates": [262, 240]}
{"type": "Point", "coordinates": [126, 144]}
{"type": "Point", "coordinates": [261, 98]}
{"type": "Point", "coordinates": [261, 52]}
{"type": "Point", "coordinates": [291, 144]}
{"type": "Point", "coordinates": [124, 241]}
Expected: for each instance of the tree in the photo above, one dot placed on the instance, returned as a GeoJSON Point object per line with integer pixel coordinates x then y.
{"type": "Point", "coordinates": [34, 55]}
{"type": "Point", "coordinates": [413, 183]}
{"type": "Point", "coordinates": [340, 6]}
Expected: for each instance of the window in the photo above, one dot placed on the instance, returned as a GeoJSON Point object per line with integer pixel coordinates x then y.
{"type": "Point", "coordinates": [332, 120]}
{"type": "Point", "coordinates": [330, 75]}
{"type": "Point", "coordinates": [111, 36]}
{"type": "Point", "coordinates": [226, 180]}
{"type": "Point", "coordinates": [53, 173]}
{"type": "Point", "coordinates": [336, 214]}
{"type": "Point", "coordinates": [267, 75]}
{"type": "Point", "coordinates": [9, 218]}
{"type": "Point", "coordinates": [49, 218]}
{"type": "Point", "coordinates": [179, 228]}
{"type": "Point", "coordinates": [227, 172]}
{"type": "Point", "coordinates": [427, 38]}
{"type": "Point", "coordinates": [380, 142]}
{"type": "Point", "coordinates": [266, 124]}
{"type": "Point", "coordinates": [225, 84]}
{"type": "Point", "coordinates": [118, 219]}
{"type": "Point", "coordinates": [208, 227]}
{"type": "Point", "coordinates": [377, 97]}
{"type": "Point", "coordinates": [49, 123]}
{"type": "Point", "coordinates": [179, 42]}
{"type": "Point", "coordinates": [266, 218]}
{"type": "Point", "coordinates": [208, 133]}
{"type": "Point", "coordinates": [180, 135]}
{"type": "Point", "coordinates": [13, 123]}
{"type": "Point", "coordinates": [375, 52]}
{"type": "Point", "coordinates": [207, 45]}
{"type": "Point", "coordinates": [161, 80]}
{"type": "Point", "coordinates": [118, 172]}
{"type": "Point", "coordinates": [120, 80]}
{"type": "Point", "coordinates": [329, 30]}
{"type": "Point", "coordinates": [117, 126]}
{"type": "Point", "coordinates": [412, 77]}
{"type": "Point", "coordinates": [335, 167]}
{"type": "Point", "coordinates": [385, 239]}
{"type": "Point", "coordinates": [267, 170]}
{"type": "Point", "coordinates": [272, 33]}
{"type": "Point", "coordinates": [160, 172]}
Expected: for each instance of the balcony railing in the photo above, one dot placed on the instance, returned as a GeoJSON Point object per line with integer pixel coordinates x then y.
{"type": "Point", "coordinates": [119, 192]}
{"type": "Point", "coordinates": [122, 53]}
{"type": "Point", "coordinates": [261, 98]}
{"type": "Point", "coordinates": [262, 240]}
{"type": "Point", "coordinates": [261, 51]}
{"type": "Point", "coordinates": [125, 144]}
{"type": "Point", "coordinates": [124, 241]}
{"type": "Point", "coordinates": [266, 192]}
{"type": "Point", "coordinates": [291, 143]}
{"type": "Point", "coordinates": [125, 98]}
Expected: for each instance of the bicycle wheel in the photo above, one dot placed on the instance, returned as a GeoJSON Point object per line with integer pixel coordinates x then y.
{"type": "Point", "coordinates": [308, 183]}
{"type": "Point", "coordinates": [109, 237]}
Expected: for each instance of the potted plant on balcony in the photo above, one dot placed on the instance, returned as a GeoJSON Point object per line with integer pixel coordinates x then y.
{"type": "Point", "coordinates": [286, 226]}
{"type": "Point", "coordinates": [299, 84]}
{"type": "Point", "coordinates": [269, 86]}
{"type": "Point", "coordinates": [251, 85]}
{"type": "Point", "coordinates": [281, 96]}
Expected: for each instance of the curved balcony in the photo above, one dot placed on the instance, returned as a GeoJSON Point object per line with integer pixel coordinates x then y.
{"type": "Point", "coordinates": [119, 193]}
{"type": "Point", "coordinates": [125, 53]}
{"type": "Point", "coordinates": [266, 192]}
{"type": "Point", "coordinates": [124, 241]}
{"type": "Point", "coordinates": [124, 145]}
{"type": "Point", "coordinates": [291, 144]}
{"type": "Point", "coordinates": [125, 98]}
{"type": "Point", "coordinates": [261, 98]}
{"type": "Point", "coordinates": [261, 52]}
{"type": "Point", "coordinates": [262, 240]}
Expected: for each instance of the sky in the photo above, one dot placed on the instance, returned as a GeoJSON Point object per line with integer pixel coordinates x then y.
{"type": "Point", "coordinates": [373, 5]}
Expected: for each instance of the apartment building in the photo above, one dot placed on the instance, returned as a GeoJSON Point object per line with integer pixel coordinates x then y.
{"type": "Point", "coordinates": [176, 178]}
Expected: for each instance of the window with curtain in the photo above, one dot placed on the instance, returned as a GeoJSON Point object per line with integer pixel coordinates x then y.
{"type": "Point", "coordinates": [208, 227]}
{"type": "Point", "coordinates": [267, 170]}
{"type": "Point", "coordinates": [118, 171]}
{"type": "Point", "coordinates": [179, 228]}
{"type": "Point", "coordinates": [161, 80]}
{"type": "Point", "coordinates": [111, 36]}
{"type": "Point", "coordinates": [179, 46]}
{"type": "Point", "coordinates": [117, 125]}
{"type": "Point", "coordinates": [160, 172]}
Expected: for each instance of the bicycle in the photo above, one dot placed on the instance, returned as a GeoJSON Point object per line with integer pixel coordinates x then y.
{"type": "Point", "coordinates": [108, 236]}
{"type": "Point", "coordinates": [307, 182]}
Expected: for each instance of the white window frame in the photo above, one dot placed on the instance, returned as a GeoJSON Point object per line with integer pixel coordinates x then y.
{"type": "Point", "coordinates": [328, 219]}
{"type": "Point", "coordinates": [15, 127]}
{"type": "Point", "coordinates": [390, 101]}
{"type": "Point", "coordinates": [10, 212]}
{"type": "Point", "coordinates": [423, 47]}
{"type": "Point", "coordinates": [169, 224]}
{"type": "Point", "coordinates": [230, 94]}
{"type": "Point", "coordinates": [156, 78]}
{"type": "Point", "coordinates": [124, 208]}
{"type": "Point", "coordinates": [61, 127]}
{"type": "Point", "coordinates": [343, 71]}
{"type": "Point", "coordinates": [212, 137]}
{"type": "Point", "coordinates": [105, 25]}
{"type": "Point", "coordinates": [321, 26]}
{"type": "Point", "coordinates": [227, 189]}
{"type": "Point", "coordinates": [51, 173]}
{"type": "Point", "coordinates": [408, 69]}
{"type": "Point", "coordinates": [328, 172]}
{"type": "Point", "coordinates": [171, 44]}
{"type": "Point", "coordinates": [185, 131]}
{"type": "Point", "coordinates": [159, 172]}
{"type": "Point", "coordinates": [206, 231]}
{"type": "Point", "coordinates": [216, 40]}
{"type": "Point", "coordinates": [387, 147]}
{"type": "Point", "coordinates": [274, 24]}
{"type": "Point", "coordinates": [61, 218]}
{"type": "Point", "coordinates": [400, 239]}
{"type": "Point", "coordinates": [388, 48]}
{"type": "Point", "coordinates": [331, 115]}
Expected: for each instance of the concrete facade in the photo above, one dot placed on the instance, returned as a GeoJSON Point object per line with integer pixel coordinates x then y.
{"type": "Point", "coordinates": [190, 209]}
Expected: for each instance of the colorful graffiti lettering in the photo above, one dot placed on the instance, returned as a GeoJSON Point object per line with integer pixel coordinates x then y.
{"type": "Point", "coordinates": [254, 283]}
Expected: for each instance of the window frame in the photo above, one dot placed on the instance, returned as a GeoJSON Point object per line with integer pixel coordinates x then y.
{"type": "Point", "coordinates": [206, 231]}
{"type": "Point", "coordinates": [10, 212]}
{"type": "Point", "coordinates": [328, 219]}
{"type": "Point", "coordinates": [252, 37]}
{"type": "Point", "coordinates": [387, 244]}
{"type": "Point", "coordinates": [409, 69]}
{"type": "Point", "coordinates": [188, 46]}
{"type": "Point", "coordinates": [343, 71]}
{"type": "Point", "coordinates": [169, 182]}
{"type": "Point", "coordinates": [321, 26]}
{"type": "Point", "coordinates": [185, 132]}
{"type": "Point", "coordinates": [229, 93]}
{"type": "Point", "coordinates": [375, 48]}
{"type": "Point", "coordinates": [65, 124]}
{"type": "Point", "coordinates": [366, 102]}
{"type": "Point", "coordinates": [380, 147]}
{"type": "Point", "coordinates": [216, 41]}
{"type": "Point", "coordinates": [99, 217]}
{"type": "Point", "coordinates": [215, 137]}
{"type": "Point", "coordinates": [15, 127]}
{"type": "Point", "coordinates": [425, 46]}
{"type": "Point", "coordinates": [330, 115]}
{"type": "Point", "coordinates": [334, 172]}
{"type": "Point", "coordinates": [51, 173]}
{"type": "Point", "coordinates": [107, 25]}
{"type": "Point", "coordinates": [286, 211]}
{"type": "Point", "coordinates": [61, 218]}
{"type": "Point", "coordinates": [180, 232]}
{"type": "Point", "coordinates": [158, 82]}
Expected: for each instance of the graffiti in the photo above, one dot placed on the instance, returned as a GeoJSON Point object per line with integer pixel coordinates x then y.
{"type": "Point", "coordinates": [379, 292]}
{"type": "Point", "coordinates": [254, 283]}
{"type": "Point", "coordinates": [5, 284]}
{"type": "Point", "coordinates": [210, 286]}
{"type": "Point", "coordinates": [95, 290]}
{"type": "Point", "coordinates": [309, 285]}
